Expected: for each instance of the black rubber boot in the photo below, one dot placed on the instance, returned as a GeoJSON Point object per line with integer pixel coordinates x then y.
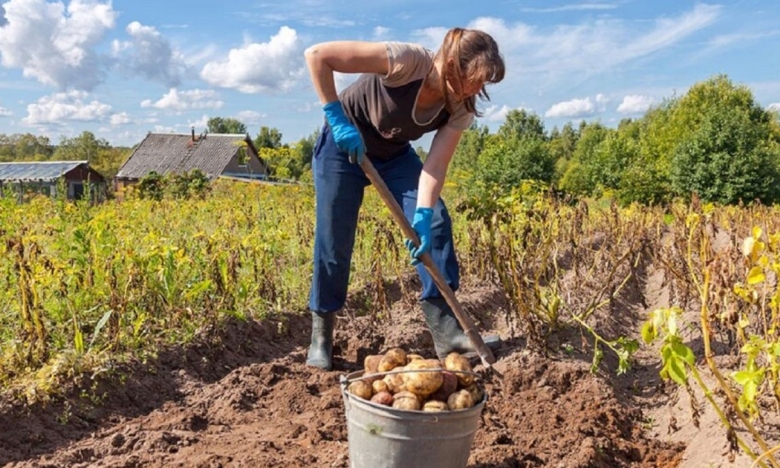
{"type": "Point", "coordinates": [447, 333]}
{"type": "Point", "coordinates": [321, 349]}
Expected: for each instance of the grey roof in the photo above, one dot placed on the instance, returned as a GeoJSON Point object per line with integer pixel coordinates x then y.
{"type": "Point", "coordinates": [36, 171]}
{"type": "Point", "coordinates": [167, 153]}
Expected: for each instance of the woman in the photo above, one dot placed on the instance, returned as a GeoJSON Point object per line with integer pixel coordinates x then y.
{"type": "Point", "coordinates": [404, 92]}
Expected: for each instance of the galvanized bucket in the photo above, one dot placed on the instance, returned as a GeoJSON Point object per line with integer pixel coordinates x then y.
{"type": "Point", "coordinates": [383, 437]}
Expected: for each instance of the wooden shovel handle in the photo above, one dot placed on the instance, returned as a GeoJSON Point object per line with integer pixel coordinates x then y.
{"type": "Point", "coordinates": [449, 295]}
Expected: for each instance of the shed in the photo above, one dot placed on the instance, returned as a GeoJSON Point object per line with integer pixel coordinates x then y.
{"type": "Point", "coordinates": [215, 154]}
{"type": "Point", "coordinates": [45, 177]}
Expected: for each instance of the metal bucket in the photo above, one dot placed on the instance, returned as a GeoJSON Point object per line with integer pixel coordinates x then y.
{"type": "Point", "coordinates": [383, 437]}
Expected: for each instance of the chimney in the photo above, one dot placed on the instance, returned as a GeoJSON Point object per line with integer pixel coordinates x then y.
{"type": "Point", "coordinates": [193, 133]}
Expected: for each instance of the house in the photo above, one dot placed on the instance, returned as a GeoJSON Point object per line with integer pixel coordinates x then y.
{"type": "Point", "coordinates": [48, 177]}
{"type": "Point", "coordinates": [215, 154]}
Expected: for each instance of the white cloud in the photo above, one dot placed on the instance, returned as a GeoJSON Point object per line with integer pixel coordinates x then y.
{"type": "Point", "coordinates": [203, 123]}
{"type": "Point", "coordinates": [250, 117]}
{"type": "Point", "coordinates": [571, 109]}
{"type": "Point", "coordinates": [725, 40]}
{"type": "Point", "coordinates": [635, 104]}
{"type": "Point", "coordinates": [164, 129]}
{"type": "Point", "coordinates": [60, 108]}
{"type": "Point", "coordinates": [545, 57]}
{"type": "Point", "coordinates": [150, 55]}
{"type": "Point", "coordinates": [497, 114]}
{"type": "Point", "coordinates": [3, 111]}
{"type": "Point", "coordinates": [120, 118]}
{"type": "Point", "coordinates": [176, 100]}
{"type": "Point", "coordinates": [260, 67]}
{"type": "Point", "coordinates": [55, 45]}
{"type": "Point", "coordinates": [601, 102]}
{"type": "Point", "coordinates": [431, 37]}
{"type": "Point", "coordinates": [381, 32]}
{"type": "Point", "coordinates": [774, 107]}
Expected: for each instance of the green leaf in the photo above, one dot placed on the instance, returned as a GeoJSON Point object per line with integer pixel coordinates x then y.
{"type": "Point", "coordinates": [78, 341]}
{"type": "Point", "coordinates": [598, 355]}
{"type": "Point", "coordinates": [677, 371]}
{"type": "Point", "coordinates": [627, 344]}
{"type": "Point", "coordinates": [684, 353]}
{"type": "Point", "coordinates": [756, 275]}
{"type": "Point", "coordinates": [648, 332]}
{"type": "Point", "coordinates": [101, 323]}
{"type": "Point", "coordinates": [742, 377]}
{"type": "Point", "coordinates": [750, 391]}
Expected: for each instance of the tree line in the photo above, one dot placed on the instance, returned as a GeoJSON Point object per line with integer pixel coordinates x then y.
{"type": "Point", "coordinates": [715, 141]}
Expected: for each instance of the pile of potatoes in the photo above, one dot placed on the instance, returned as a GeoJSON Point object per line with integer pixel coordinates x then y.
{"type": "Point", "coordinates": [445, 390]}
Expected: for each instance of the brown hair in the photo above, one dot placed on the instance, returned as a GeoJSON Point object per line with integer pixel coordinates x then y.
{"type": "Point", "coordinates": [478, 59]}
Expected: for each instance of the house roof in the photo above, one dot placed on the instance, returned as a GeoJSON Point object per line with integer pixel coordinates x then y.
{"type": "Point", "coordinates": [44, 171]}
{"type": "Point", "coordinates": [167, 153]}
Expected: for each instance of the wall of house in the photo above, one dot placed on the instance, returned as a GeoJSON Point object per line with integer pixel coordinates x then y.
{"type": "Point", "coordinates": [77, 180]}
{"type": "Point", "coordinates": [253, 167]}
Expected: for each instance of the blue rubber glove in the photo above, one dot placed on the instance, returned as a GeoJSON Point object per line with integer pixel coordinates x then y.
{"type": "Point", "coordinates": [345, 134]}
{"type": "Point", "coordinates": [421, 222]}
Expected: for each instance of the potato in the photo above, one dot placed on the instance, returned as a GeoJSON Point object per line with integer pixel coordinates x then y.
{"type": "Point", "coordinates": [423, 384]}
{"type": "Point", "coordinates": [435, 406]}
{"type": "Point", "coordinates": [460, 400]}
{"type": "Point", "coordinates": [406, 401]}
{"type": "Point", "coordinates": [394, 382]}
{"type": "Point", "coordinates": [380, 386]}
{"type": "Point", "coordinates": [477, 394]}
{"type": "Point", "coordinates": [413, 357]}
{"type": "Point", "coordinates": [393, 358]}
{"type": "Point", "coordinates": [448, 387]}
{"type": "Point", "coordinates": [455, 362]}
{"type": "Point", "coordinates": [371, 364]}
{"type": "Point", "coordinates": [360, 388]}
{"type": "Point", "coordinates": [383, 398]}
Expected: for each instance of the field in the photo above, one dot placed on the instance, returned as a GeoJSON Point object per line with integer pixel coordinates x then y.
{"type": "Point", "coordinates": [174, 333]}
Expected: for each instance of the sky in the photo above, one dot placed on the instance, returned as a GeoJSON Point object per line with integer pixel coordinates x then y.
{"type": "Point", "coordinates": [124, 68]}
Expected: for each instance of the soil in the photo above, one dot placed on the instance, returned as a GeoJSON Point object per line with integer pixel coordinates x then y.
{"type": "Point", "coordinates": [242, 396]}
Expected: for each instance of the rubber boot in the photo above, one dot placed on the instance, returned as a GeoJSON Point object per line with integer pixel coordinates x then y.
{"type": "Point", "coordinates": [447, 333]}
{"type": "Point", "coordinates": [321, 348]}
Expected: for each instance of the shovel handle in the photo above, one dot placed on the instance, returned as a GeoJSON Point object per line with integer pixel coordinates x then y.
{"type": "Point", "coordinates": [444, 288]}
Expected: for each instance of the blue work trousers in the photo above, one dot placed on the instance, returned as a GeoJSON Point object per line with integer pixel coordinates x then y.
{"type": "Point", "coordinates": [339, 187]}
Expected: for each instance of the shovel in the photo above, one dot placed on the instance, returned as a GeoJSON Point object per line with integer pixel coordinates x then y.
{"type": "Point", "coordinates": [449, 295]}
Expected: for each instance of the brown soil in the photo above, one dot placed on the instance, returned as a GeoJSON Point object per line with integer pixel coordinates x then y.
{"type": "Point", "coordinates": [245, 398]}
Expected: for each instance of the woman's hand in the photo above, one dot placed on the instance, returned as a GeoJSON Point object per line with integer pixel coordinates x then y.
{"type": "Point", "coordinates": [422, 226]}
{"type": "Point", "coordinates": [345, 134]}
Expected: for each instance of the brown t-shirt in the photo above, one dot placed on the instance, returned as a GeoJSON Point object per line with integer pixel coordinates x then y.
{"type": "Point", "coordinates": [384, 107]}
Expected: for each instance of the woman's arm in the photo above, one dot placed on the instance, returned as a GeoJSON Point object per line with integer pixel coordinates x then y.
{"type": "Point", "coordinates": [345, 57]}
{"type": "Point", "coordinates": [435, 168]}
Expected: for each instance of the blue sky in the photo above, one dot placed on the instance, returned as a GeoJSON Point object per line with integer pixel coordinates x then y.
{"type": "Point", "coordinates": [121, 69]}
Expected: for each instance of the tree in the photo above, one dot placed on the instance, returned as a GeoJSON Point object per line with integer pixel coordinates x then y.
{"type": "Point", "coordinates": [303, 151]}
{"type": "Point", "coordinates": [729, 158]}
{"type": "Point", "coordinates": [582, 174]}
{"type": "Point", "coordinates": [268, 138]}
{"type": "Point", "coordinates": [504, 164]}
{"type": "Point", "coordinates": [562, 145]}
{"type": "Point", "coordinates": [100, 155]}
{"type": "Point", "coordinates": [522, 124]}
{"type": "Point", "coordinates": [228, 125]}
{"type": "Point", "coordinates": [472, 141]}
{"type": "Point", "coordinates": [25, 147]}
